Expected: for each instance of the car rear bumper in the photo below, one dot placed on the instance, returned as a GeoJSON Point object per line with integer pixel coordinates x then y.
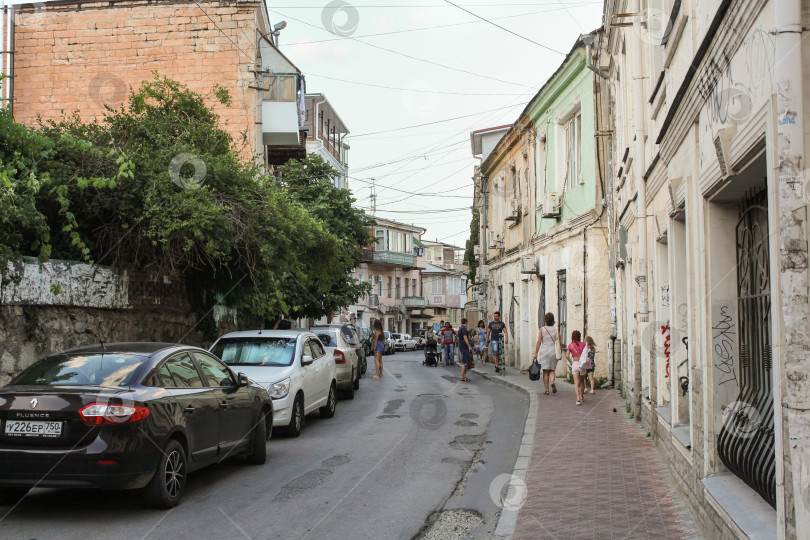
{"type": "Point", "coordinates": [343, 376]}
{"type": "Point", "coordinates": [98, 465]}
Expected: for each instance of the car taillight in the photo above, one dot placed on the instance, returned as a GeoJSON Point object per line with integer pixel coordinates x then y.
{"type": "Point", "coordinates": [340, 358]}
{"type": "Point", "coordinates": [103, 414]}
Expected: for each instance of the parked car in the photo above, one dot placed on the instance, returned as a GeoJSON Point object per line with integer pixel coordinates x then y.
{"type": "Point", "coordinates": [419, 336]}
{"type": "Point", "coordinates": [127, 416]}
{"type": "Point", "coordinates": [353, 337]}
{"type": "Point", "coordinates": [365, 338]}
{"type": "Point", "coordinates": [347, 363]}
{"type": "Point", "coordinates": [292, 365]}
{"type": "Point", "coordinates": [404, 342]}
{"type": "Point", "coordinates": [389, 343]}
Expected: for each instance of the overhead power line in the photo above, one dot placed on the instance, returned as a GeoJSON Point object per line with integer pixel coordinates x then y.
{"type": "Point", "coordinates": [505, 29]}
{"type": "Point", "coordinates": [423, 28]}
{"type": "Point", "coordinates": [435, 121]}
{"type": "Point", "coordinates": [310, 74]}
{"type": "Point", "coordinates": [392, 51]}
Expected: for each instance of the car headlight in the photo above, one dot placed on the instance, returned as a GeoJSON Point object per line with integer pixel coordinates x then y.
{"type": "Point", "coordinates": [279, 389]}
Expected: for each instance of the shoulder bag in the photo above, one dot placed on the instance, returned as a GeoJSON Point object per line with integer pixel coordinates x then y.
{"type": "Point", "coordinates": [557, 347]}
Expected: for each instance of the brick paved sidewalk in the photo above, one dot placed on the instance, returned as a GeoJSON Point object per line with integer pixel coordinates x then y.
{"type": "Point", "coordinates": [593, 472]}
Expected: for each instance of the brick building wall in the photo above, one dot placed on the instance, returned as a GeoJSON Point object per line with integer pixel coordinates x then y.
{"type": "Point", "coordinates": [80, 56]}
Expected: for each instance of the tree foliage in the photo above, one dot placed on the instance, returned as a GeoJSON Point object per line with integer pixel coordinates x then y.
{"type": "Point", "coordinates": [159, 186]}
{"type": "Point", "coordinates": [469, 252]}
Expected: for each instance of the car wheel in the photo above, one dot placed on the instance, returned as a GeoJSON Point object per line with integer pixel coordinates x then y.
{"type": "Point", "coordinates": [167, 486]}
{"type": "Point", "coordinates": [356, 384]}
{"type": "Point", "coordinates": [10, 496]}
{"type": "Point", "coordinates": [363, 366]}
{"type": "Point", "coordinates": [328, 410]}
{"type": "Point", "coordinates": [297, 419]}
{"type": "Point", "coordinates": [258, 444]}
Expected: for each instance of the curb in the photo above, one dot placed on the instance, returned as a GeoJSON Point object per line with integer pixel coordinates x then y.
{"type": "Point", "coordinates": [508, 518]}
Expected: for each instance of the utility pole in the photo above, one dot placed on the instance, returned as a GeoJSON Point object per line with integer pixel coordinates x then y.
{"type": "Point", "coordinates": [373, 198]}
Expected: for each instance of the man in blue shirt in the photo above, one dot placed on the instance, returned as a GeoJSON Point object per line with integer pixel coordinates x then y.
{"type": "Point", "coordinates": [494, 331]}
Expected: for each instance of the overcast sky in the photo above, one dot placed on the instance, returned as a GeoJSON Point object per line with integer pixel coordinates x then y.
{"type": "Point", "coordinates": [432, 161]}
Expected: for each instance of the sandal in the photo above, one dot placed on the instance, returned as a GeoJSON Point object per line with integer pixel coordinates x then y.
{"type": "Point", "coordinates": [465, 379]}
{"type": "Point", "coordinates": [554, 388]}
{"type": "Point", "coordinates": [545, 393]}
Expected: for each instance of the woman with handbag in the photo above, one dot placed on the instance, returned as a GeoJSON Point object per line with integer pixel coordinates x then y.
{"type": "Point", "coordinates": [548, 351]}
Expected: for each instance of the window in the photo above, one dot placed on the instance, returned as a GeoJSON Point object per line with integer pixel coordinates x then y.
{"type": "Point", "coordinates": [89, 369]}
{"type": "Point", "coordinates": [184, 372]}
{"type": "Point", "coordinates": [164, 377]}
{"type": "Point", "coordinates": [317, 349]}
{"type": "Point", "coordinates": [379, 286]}
{"type": "Point", "coordinates": [390, 286]}
{"type": "Point", "coordinates": [436, 285]}
{"type": "Point", "coordinates": [399, 284]}
{"type": "Point", "coordinates": [216, 374]}
{"type": "Point", "coordinates": [413, 287]}
{"type": "Point", "coordinates": [380, 236]}
{"type": "Point", "coordinates": [573, 152]}
{"type": "Point", "coordinates": [562, 307]}
{"type": "Point", "coordinates": [362, 278]}
{"type": "Point", "coordinates": [280, 87]}
{"type": "Point", "coordinates": [407, 288]}
{"type": "Point", "coordinates": [255, 351]}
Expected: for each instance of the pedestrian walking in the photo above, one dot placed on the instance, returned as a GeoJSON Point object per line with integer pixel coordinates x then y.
{"type": "Point", "coordinates": [465, 347]}
{"type": "Point", "coordinates": [588, 361]}
{"type": "Point", "coordinates": [481, 342]}
{"type": "Point", "coordinates": [379, 347]}
{"type": "Point", "coordinates": [545, 352]}
{"type": "Point", "coordinates": [574, 353]}
{"type": "Point", "coordinates": [494, 331]}
{"type": "Point", "coordinates": [448, 340]}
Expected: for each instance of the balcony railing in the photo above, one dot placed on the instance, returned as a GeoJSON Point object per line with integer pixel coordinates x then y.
{"type": "Point", "coordinates": [394, 257]}
{"type": "Point", "coordinates": [414, 301]}
{"type": "Point", "coordinates": [373, 300]}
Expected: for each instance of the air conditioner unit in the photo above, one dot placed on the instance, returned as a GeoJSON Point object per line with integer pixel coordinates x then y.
{"type": "Point", "coordinates": [528, 265]}
{"type": "Point", "coordinates": [477, 251]}
{"type": "Point", "coordinates": [551, 204]}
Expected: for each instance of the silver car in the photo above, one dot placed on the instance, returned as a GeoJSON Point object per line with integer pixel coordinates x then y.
{"type": "Point", "coordinates": [347, 363]}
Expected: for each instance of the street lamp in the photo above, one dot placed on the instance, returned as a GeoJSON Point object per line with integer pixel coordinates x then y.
{"type": "Point", "coordinates": [276, 30]}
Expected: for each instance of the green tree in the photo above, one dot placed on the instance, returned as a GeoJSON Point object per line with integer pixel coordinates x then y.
{"type": "Point", "coordinates": [310, 182]}
{"type": "Point", "coordinates": [159, 186]}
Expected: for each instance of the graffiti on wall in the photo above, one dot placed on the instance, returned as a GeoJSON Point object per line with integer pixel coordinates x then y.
{"type": "Point", "coordinates": [724, 344]}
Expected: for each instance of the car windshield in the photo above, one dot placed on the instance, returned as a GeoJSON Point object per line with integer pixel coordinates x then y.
{"type": "Point", "coordinates": [396, 336]}
{"type": "Point", "coordinates": [350, 334]}
{"type": "Point", "coordinates": [387, 334]}
{"type": "Point", "coordinates": [116, 369]}
{"type": "Point", "coordinates": [256, 351]}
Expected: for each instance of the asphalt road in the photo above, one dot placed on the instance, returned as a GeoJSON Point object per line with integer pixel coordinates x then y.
{"type": "Point", "coordinates": [388, 463]}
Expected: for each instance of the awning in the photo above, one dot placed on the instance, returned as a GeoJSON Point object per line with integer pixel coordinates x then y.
{"type": "Point", "coordinates": [417, 242]}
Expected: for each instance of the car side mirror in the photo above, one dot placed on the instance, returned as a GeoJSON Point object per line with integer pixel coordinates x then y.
{"type": "Point", "coordinates": [306, 360]}
{"type": "Point", "coordinates": [242, 380]}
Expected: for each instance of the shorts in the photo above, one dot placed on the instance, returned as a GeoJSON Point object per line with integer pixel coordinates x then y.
{"type": "Point", "coordinates": [465, 357]}
{"type": "Point", "coordinates": [591, 370]}
{"type": "Point", "coordinates": [380, 347]}
{"type": "Point", "coordinates": [576, 368]}
{"type": "Point", "coordinates": [496, 345]}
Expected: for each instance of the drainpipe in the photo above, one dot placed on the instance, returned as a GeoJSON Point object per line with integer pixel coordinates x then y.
{"type": "Point", "coordinates": [640, 260]}
{"type": "Point", "coordinates": [792, 218]}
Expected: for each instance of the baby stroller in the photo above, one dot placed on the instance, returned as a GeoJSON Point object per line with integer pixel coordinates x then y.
{"type": "Point", "coordinates": [431, 353]}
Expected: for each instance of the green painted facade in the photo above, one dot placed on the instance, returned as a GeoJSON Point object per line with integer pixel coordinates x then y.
{"type": "Point", "coordinates": [570, 88]}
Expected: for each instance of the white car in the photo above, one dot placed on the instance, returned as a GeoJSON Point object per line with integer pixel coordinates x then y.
{"type": "Point", "coordinates": [293, 365]}
{"type": "Point", "coordinates": [347, 363]}
{"type": "Point", "coordinates": [403, 342]}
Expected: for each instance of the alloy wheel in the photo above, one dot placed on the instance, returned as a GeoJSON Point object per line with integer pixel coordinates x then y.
{"type": "Point", "coordinates": [173, 473]}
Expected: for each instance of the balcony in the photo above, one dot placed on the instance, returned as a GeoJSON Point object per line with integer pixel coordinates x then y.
{"type": "Point", "coordinates": [413, 301]}
{"type": "Point", "coordinates": [373, 300]}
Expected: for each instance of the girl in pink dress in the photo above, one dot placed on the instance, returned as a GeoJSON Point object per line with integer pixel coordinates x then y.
{"type": "Point", "coordinates": [573, 352]}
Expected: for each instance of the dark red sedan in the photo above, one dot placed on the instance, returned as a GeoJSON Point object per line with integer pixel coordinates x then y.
{"type": "Point", "coordinates": [127, 416]}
